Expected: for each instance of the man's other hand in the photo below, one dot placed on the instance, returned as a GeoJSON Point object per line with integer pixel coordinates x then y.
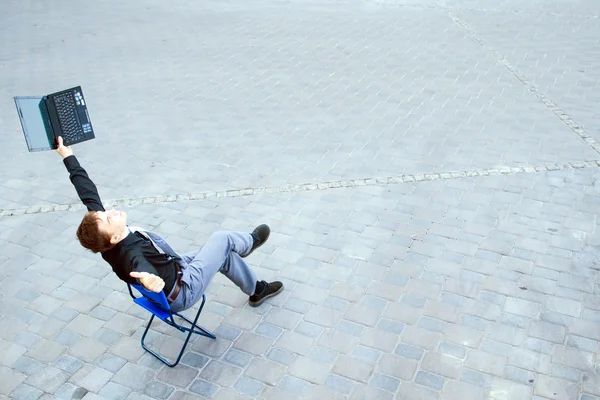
{"type": "Point", "coordinates": [64, 151]}
{"type": "Point", "coordinates": [151, 282]}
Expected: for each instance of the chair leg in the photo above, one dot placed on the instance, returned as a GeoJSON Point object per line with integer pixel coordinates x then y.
{"type": "Point", "coordinates": [149, 350]}
{"type": "Point", "coordinates": [194, 325]}
{"type": "Point", "coordinates": [201, 331]}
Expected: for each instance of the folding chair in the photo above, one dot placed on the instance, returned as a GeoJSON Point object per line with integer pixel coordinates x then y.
{"type": "Point", "coordinates": [158, 305]}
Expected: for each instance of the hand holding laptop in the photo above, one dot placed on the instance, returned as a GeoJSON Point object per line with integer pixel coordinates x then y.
{"type": "Point", "coordinates": [64, 151]}
{"type": "Point", "coordinates": [45, 118]}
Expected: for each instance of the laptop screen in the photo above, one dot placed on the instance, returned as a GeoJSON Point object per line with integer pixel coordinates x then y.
{"type": "Point", "coordinates": [32, 123]}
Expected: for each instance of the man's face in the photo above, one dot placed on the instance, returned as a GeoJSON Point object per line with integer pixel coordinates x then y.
{"type": "Point", "coordinates": [112, 222]}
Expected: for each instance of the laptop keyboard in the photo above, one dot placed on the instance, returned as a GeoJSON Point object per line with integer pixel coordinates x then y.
{"type": "Point", "coordinates": [65, 108]}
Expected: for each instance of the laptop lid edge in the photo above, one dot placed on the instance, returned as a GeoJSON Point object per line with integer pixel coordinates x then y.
{"type": "Point", "coordinates": [24, 127]}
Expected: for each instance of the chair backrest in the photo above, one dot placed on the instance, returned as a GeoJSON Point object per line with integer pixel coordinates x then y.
{"type": "Point", "coordinates": [154, 302]}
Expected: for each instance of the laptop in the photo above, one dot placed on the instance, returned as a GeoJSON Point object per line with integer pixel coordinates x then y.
{"type": "Point", "coordinates": [45, 118]}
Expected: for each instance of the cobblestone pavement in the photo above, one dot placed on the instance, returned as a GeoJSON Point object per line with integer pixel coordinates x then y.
{"type": "Point", "coordinates": [429, 169]}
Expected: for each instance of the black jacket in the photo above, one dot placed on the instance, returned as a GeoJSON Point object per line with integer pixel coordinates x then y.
{"type": "Point", "coordinates": [134, 252]}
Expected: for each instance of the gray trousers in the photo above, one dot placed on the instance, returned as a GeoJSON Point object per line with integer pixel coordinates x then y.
{"type": "Point", "coordinates": [221, 253]}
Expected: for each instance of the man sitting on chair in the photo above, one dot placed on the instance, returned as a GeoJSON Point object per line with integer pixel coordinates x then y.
{"type": "Point", "coordinates": [143, 258]}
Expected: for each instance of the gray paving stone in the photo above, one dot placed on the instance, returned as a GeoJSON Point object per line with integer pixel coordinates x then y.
{"type": "Point", "coordinates": [463, 335]}
{"type": "Point", "coordinates": [522, 307]}
{"type": "Point", "coordinates": [294, 385]}
{"type": "Point", "coordinates": [385, 382]}
{"type": "Point", "coordinates": [512, 389]}
{"type": "Point", "coordinates": [68, 364]}
{"type": "Point", "coordinates": [432, 324]}
{"type": "Point", "coordinates": [421, 337]}
{"type": "Point", "coordinates": [248, 386]}
{"type": "Point", "coordinates": [265, 371]}
{"type": "Point", "coordinates": [590, 315]}
{"type": "Point", "coordinates": [453, 299]}
{"type": "Point", "coordinates": [550, 386]}
{"type": "Point", "coordinates": [408, 351]}
{"type": "Point", "coordinates": [26, 392]}
{"type": "Point", "coordinates": [540, 346]}
{"type": "Point", "coordinates": [27, 365]}
{"type": "Point", "coordinates": [590, 384]}
{"type": "Point", "coordinates": [391, 326]}
{"type": "Point", "coordinates": [10, 353]}
{"type": "Point", "coordinates": [558, 319]}
{"type": "Point", "coordinates": [452, 350]}
{"type": "Point", "coordinates": [485, 362]}
{"type": "Point", "coordinates": [339, 384]}
{"type": "Point", "coordinates": [267, 330]}
{"type": "Point", "coordinates": [102, 313]}
{"type": "Point", "coordinates": [253, 344]}
{"type": "Point", "coordinates": [46, 351]}
{"type": "Point", "coordinates": [66, 338]}
{"type": "Point", "coordinates": [133, 376]}
{"type": "Point", "coordinates": [546, 331]}
{"type": "Point", "coordinates": [323, 316]}
{"type": "Point", "coordinates": [110, 362]}
{"type": "Point", "coordinates": [295, 342]}
{"type": "Point", "coordinates": [373, 302]}
{"type": "Point", "coordinates": [124, 324]}
{"type": "Point", "coordinates": [69, 391]}
{"type": "Point", "coordinates": [309, 370]}
{"type": "Point", "coordinates": [26, 339]}
{"type": "Point", "coordinates": [87, 349]}
{"type": "Point", "coordinates": [563, 306]}
{"type": "Point", "coordinates": [574, 358]}
{"type": "Point", "coordinates": [353, 368]}
{"type": "Point", "coordinates": [560, 371]}
{"type": "Point", "coordinates": [367, 354]}
{"type": "Point", "coordinates": [362, 315]}
{"type": "Point", "coordinates": [497, 348]}
{"type": "Point", "coordinates": [473, 322]}
{"type": "Point", "coordinates": [183, 376]}
{"type": "Point", "coordinates": [91, 378]}
{"type": "Point", "coordinates": [283, 318]}
{"type": "Point", "coordinates": [114, 391]}
{"type": "Point", "coordinates": [11, 381]}
{"type": "Point", "coordinates": [204, 388]}
{"type": "Point", "coordinates": [506, 334]}
{"type": "Point", "coordinates": [587, 397]}
{"type": "Point", "coordinates": [106, 336]}
{"type": "Point", "coordinates": [195, 360]}
{"type": "Point", "coordinates": [281, 356]}
{"type": "Point", "coordinates": [520, 375]}
{"type": "Point", "coordinates": [337, 341]}
{"type": "Point", "coordinates": [351, 328]}
{"type": "Point", "coordinates": [210, 347]}
{"type": "Point", "coordinates": [582, 343]}
{"type": "Point", "coordinates": [379, 339]}
{"type": "Point", "coordinates": [429, 380]}
{"type": "Point", "coordinates": [48, 379]}
{"type": "Point", "coordinates": [323, 354]}
{"type": "Point", "coordinates": [459, 390]}
{"type": "Point", "coordinates": [413, 301]}
{"type": "Point", "coordinates": [149, 361]}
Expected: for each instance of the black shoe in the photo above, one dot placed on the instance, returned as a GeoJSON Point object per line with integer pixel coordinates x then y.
{"type": "Point", "coordinates": [260, 234]}
{"type": "Point", "coordinates": [269, 290]}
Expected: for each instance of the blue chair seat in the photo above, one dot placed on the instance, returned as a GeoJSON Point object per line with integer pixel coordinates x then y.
{"type": "Point", "coordinates": [153, 308]}
{"type": "Point", "coordinates": [158, 306]}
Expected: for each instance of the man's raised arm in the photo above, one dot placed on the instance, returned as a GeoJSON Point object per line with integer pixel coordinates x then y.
{"type": "Point", "coordinates": [86, 189]}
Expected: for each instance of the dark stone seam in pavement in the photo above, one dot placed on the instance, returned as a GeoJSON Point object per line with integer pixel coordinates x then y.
{"type": "Point", "coordinates": [374, 181]}
{"type": "Point", "coordinates": [560, 113]}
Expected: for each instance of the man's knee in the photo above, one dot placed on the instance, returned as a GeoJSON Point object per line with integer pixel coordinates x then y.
{"type": "Point", "coordinates": [221, 236]}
